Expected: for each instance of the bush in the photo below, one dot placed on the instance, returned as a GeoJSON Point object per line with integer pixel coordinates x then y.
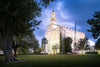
{"type": "Point", "coordinates": [38, 50]}
{"type": "Point", "coordinates": [91, 52]}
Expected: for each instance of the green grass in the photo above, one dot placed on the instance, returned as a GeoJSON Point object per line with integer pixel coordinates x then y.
{"type": "Point", "coordinates": [55, 61]}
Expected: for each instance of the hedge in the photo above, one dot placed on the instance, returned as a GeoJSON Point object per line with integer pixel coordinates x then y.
{"type": "Point", "coordinates": [91, 52]}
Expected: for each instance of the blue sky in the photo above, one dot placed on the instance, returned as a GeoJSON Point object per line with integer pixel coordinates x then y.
{"type": "Point", "coordinates": [67, 12]}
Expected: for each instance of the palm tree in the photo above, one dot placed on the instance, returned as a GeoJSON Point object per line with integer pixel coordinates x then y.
{"type": "Point", "coordinates": [81, 43]}
{"type": "Point", "coordinates": [44, 42]}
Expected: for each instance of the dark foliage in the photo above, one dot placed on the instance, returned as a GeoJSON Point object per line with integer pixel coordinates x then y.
{"type": "Point", "coordinates": [95, 25]}
{"type": "Point", "coordinates": [91, 52]}
{"type": "Point", "coordinates": [18, 17]}
{"type": "Point", "coordinates": [67, 45]}
{"type": "Point", "coordinates": [97, 44]}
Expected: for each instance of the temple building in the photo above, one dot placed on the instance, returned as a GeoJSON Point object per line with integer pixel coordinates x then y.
{"type": "Point", "coordinates": [53, 35]}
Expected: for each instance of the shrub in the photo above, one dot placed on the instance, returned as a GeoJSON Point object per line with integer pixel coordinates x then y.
{"type": "Point", "coordinates": [38, 50]}
{"type": "Point", "coordinates": [91, 52]}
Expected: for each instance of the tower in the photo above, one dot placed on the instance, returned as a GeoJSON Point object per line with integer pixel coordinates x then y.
{"type": "Point", "coordinates": [52, 24]}
{"type": "Point", "coordinates": [53, 18]}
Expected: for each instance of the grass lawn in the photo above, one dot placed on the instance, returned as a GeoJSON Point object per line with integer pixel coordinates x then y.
{"type": "Point", "coordinates": [55, 61]}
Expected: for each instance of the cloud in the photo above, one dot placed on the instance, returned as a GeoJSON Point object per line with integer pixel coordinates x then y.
{"type": "Point", "coordinates": [91, 43]}
{"type": "Point", "coordinates": [59, 5]}
{"type": "Point", "coordinates": [45, 19]}
{"type": "Point", "coordinates": [64, 16]}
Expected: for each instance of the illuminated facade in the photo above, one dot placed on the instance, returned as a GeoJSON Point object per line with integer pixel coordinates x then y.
{"type": "Point", "coordinates": [53, 35]}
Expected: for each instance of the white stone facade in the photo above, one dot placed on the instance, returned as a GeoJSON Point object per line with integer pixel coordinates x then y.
{"type": "Point", "coordinates": [53, 35]}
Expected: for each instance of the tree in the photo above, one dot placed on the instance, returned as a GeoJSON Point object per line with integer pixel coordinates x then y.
{"type": "Point", "coordinates": [87, 47]}
{"type": "Point", "coordinates": [0, 46]}
{"type": "Point", "coordinates": [44, 42]}
{"type": "Point", "coordinates": [42, 48]}
{"type": "Point", "coordinates": [15, 16]}
{"type": "Point", "coordinates": [60, 46]}
{"type": "Point", "coordinates": [67, 45]}
{"type": "Point", "coordinates": [75, 46]}
{"type": "Point", "coordinates": [97, 44]}
{"type": "Point", "coordinates": [22, 41]}
{"type": "Point", "coordinates": [38, 50]}
{"type": "Point", "coordinates": [35, 43]}
{"type": "Point", "coordinates": [24, 47]}
{"type": "Point", "coordinates": [28, 42]}
{"type": "Point", "coordinates": [16, 44]}
{"type": "Point", "coordinates": [95, 25]}
{"type": "Point", "coordinates": [82, 43]}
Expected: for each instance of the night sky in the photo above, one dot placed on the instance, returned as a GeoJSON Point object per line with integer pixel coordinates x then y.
{"type": "Point", "coordinates": [67, 12]}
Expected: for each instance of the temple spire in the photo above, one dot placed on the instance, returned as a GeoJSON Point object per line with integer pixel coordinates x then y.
{"type": "Point", "coordinates": [53, 18]}
{"type": "Point", "coordinates": [75, 37]}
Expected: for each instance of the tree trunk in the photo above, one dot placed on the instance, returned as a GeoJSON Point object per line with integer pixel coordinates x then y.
{"type": "Point", "coordinates": [82, 51]}
{"type": "Point", "coordinates": [9, 57]}
{"type": "Point", "coordinates": [54, 51]}
{"type": "Point", "coordinates": [6, 45]}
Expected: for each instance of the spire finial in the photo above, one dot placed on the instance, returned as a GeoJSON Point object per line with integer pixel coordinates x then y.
{"type": "Point", "coordinates": [53, 18]}
{"type": "Point", "coordinates": [53, 10]}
